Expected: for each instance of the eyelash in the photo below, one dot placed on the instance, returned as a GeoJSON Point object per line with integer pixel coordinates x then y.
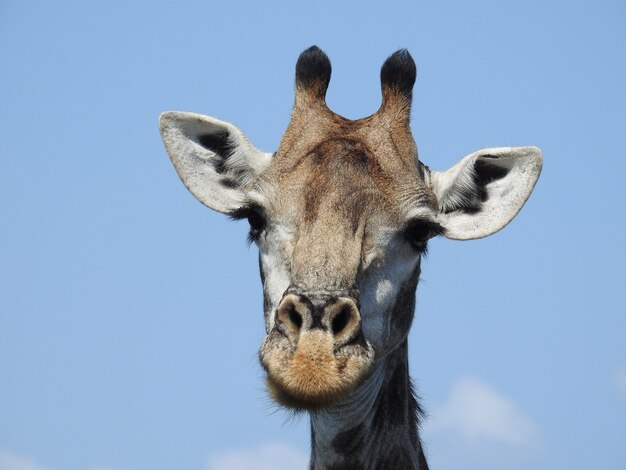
{"type": "Point", "coordinates": [418, 232]}
{"type": "Point", "coordinates": [255, 218]}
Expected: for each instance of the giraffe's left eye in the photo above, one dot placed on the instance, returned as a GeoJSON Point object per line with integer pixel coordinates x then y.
{"type": "Point", "coordinates": [418, 232]}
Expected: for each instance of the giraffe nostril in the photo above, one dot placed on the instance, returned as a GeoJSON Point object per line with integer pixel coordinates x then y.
{"type": "Point", "coordinates": [340, 321]}
{"type": "Point", "coordinates": [344, 320]}
{"type": "Point", "coordinates": [294, 317]}
{"type": "Point", "coordinates": [290, 320]}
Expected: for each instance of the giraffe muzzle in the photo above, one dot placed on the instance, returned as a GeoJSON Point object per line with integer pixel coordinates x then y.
{"type": "Point", "coordinates": [316, 353]}
{"type": "Point", "coordinates": [297, 316]}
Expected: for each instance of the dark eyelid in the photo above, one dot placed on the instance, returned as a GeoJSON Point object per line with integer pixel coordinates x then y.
{"type": "Point", "coordinates": [244, 211]}
{"type": "Point", "coordinates": [434, 227]}
{"type": "Point", "coordinates": [256, 218]}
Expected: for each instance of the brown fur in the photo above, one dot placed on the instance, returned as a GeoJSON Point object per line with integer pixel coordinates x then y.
{"type": "Point", "coordinates": [333, 179]}
{"type": "Point", "coordinates": [312, 374]}
{"type": "Point", "coordinates": [343, 206]}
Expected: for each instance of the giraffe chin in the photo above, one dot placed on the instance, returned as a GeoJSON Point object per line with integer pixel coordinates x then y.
{"type": "Point", "coordinates": [313, 374]}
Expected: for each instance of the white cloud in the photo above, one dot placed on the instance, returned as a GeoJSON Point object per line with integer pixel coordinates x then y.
{"type": "Point", "coordinates": [266, 457]}
{"type": "Point", "coordinates": [478, 424]}
{"type": "Point", "coordinates": [477, 411]}
{"type": "Point", "coordinates": [10, 461]}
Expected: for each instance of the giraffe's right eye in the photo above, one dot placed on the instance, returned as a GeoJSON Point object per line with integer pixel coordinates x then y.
{"type": "Point", "coordinates": [256, 219]}
{"type": "Point", "coordinates": [257, 223]}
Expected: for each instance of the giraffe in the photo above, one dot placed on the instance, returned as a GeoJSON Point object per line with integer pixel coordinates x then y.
{"type": "Point", "coordinates": [342, 213]}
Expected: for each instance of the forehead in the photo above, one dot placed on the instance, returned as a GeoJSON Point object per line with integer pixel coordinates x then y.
{"type": "Point", "coordinates": [347, 169]}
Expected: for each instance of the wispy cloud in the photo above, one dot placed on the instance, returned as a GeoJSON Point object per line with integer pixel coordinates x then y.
{"type": "Point", "coordinates": [10, 461]}
{"type": "Point", "coordinates": [266, 457]}
{"type": "Point", "coordinates": [480, 425]}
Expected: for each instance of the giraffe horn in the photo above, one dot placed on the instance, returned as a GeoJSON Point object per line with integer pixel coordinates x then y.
{"type": "Point", "coordinates": [312, 77]}
{"type": "Point", "coordinates": [397, 77]}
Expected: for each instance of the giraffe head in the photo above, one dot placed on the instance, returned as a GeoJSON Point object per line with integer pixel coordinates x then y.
{"type": "Point", "coordinates": [342, 214]}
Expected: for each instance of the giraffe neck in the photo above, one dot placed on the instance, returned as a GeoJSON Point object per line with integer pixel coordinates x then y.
{"type": "Point", "coordinates": [376, 427]}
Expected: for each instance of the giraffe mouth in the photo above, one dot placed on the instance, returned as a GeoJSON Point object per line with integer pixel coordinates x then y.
{"type": "Point", "coordinates": [313, 373]}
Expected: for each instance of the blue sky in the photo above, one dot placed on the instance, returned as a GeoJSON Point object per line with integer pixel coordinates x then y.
{"type": "Point", "coordinates": [130, 315]}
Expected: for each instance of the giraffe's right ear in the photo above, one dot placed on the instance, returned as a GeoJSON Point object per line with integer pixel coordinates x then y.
{"type": "Point", "coordinates": [213, 158]}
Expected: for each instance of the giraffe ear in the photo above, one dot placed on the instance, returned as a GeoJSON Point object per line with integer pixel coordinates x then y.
{"type": "Point", "coordinates": [485, 190]}
{"type": "Point", "coordinates": [213, 158]}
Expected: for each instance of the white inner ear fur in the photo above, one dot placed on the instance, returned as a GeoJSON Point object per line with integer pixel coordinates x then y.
{"type": "Point", "coordinates": [461, 190]}
{"type": "Point", "coordinates": [218, 181]}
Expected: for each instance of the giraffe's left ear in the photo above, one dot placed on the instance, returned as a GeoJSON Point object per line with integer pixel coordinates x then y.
{"type": "Point", "coordinates": [485, 190]}
{"type": "Point", "coordinates": [212, 157]}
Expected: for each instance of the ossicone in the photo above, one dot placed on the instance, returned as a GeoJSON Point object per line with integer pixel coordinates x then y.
{"type": "Point", "coordinates": [313, 73]}
{"type": "Point", "coordinates": [397, 75]}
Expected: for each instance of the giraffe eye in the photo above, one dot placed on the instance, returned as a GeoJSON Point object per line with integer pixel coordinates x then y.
{"type": "Point", "coordinates": [418, 232]}
{"type": "Point", "coordinates": [255, 218]}
{"type": "Point", "coordinates": [257, 223]}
